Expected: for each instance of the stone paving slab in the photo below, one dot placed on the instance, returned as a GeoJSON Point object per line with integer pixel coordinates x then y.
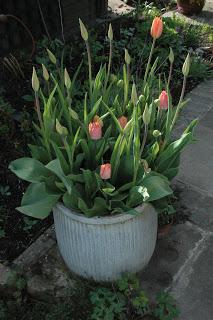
{"type": "Point", "coordinates": [169, 256]}
{"type": "Point", "coordinates": [118, 7]}
{"type": "Point", "coordinates": [197, 204]}
{"type": "Point", "coordinates": [196, 167]}
{"type": "Point", "coordinates": [194, 288]}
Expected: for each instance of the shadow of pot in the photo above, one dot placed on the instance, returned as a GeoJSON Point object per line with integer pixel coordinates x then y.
{"type": "Point", "coordinates": [190, 7]}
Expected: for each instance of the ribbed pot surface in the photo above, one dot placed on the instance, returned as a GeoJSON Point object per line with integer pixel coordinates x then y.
{"type": "Point", "coordinates": [102, 248]}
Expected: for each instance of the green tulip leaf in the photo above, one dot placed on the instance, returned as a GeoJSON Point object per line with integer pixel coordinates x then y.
{"type": "Point", "coordinates": [38, 201]}
{"type": "Point", "coordinates": [29, 169]}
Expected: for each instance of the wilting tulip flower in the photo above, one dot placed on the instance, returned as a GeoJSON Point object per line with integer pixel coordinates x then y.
{"type": "Point", "coordinates": [123, 121]}
{"type": "Point", "coordinates": [157, 28]}
{"type": "Point", "coordinates": [163, 100]}
{"type": "Point", "coordinates": [105, 171]}
{"type": "Point", "coordinates": [95, 130]}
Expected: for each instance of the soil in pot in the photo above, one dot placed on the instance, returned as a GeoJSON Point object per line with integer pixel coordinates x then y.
{"type": "Point", "coordinates": [190, 7]}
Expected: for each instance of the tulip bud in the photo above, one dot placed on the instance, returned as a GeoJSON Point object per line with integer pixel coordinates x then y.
{"type": "Point", "coordinates": [123, 121]}
{"type": "Point", "coordinates": [127, 57]}
{"type": "Point", "coordinates": [113, 78]}
{"type": "Point", "coordinates": [105, 171]}
{"type": "Point", "coordinates": [163, 100]}
{"type": "Point", "coordinates": [156, 133]}
{"type": "Point", "coordinates": [35, 81]}
{"type": "Point", "coordinates": [120, 83]}
{"type": "Point", "coordinates": [46, 75]}
{"type": "Point", "coordinates": [186, 66]}
{"type": "Point", "coordinates": [171, 56]}
{"type": "Point", "coordinates": [110, 32]}
{"type": "Point", "coordinates": [67, 80]}
{"type": "Point", "coordinates": [146, 166]}
{"type": "Point", "coordinates": [95, 130]}
{"type": "Point", "coordinates": [60, 129]}
{"type": "Point", "coordinates": [84, 32]}
{"type": "Point", "coordinates": [134, 96]}
{"type": "Point", "coordinates": [146, 115]}
{"type": "Point", "coordinates": [73, 114]}
{"type": "Point", "coordinates": [141, 98]}
{"type": "Point", "coordinates": [51, 56]}
{"type": "Point", "coordinates": [157, 28]}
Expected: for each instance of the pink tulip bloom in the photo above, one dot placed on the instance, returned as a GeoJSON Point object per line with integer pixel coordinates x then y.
{"type": "Point", "coordinates": [157, 28]}
{"type": "Point", "coordinates": [105, 171]}
{"type": "Point", "coordinates": [123, 121]}
{"type": "Point", "coordinates": [95, 130]}
{"type": "Point", "coordinates": [164, 100]}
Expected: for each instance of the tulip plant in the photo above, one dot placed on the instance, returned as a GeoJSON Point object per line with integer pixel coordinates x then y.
{"type": "Point", "coordinates": [113, 153]}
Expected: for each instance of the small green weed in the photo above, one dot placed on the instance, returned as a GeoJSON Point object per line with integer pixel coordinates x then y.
{"type": "Point", "coordinates": [125, 300]}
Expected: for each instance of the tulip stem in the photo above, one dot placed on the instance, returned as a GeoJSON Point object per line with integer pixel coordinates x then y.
{"type": "Point", "coordinates": [126, 84]}
{"type": "Point", "coordinates": [179, 103]}
{"type": "Point", "coordinates": [149, 61]}
{"type": "Point", "coordinates": [144, 139]}
{"type": "Point", "coordinates": [170, 73]}
{"type": "Point", "coordinates": [109, 65]}
{"type": "Point", "coordinates": [90, 67]}
{"type": "Point", "coordinates": [38, 109]}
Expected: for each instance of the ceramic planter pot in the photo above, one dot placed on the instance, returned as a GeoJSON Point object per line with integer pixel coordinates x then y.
{"type": "Point", "coordinates": [102, 248]}
{"type": "Point", "coordinates": [190, 7]}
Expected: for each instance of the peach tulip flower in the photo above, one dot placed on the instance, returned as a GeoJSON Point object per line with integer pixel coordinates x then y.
{"type": "Point", "coordinates": [123, 121]}
{"type": "Point", "coordinates": [164, 100]}
{"type": "Point", "coordinates": [157, 28]}
{"type": "Point", "coordinates": [95, 130]}
{"type": "Point", "coordinates": [105, 171]}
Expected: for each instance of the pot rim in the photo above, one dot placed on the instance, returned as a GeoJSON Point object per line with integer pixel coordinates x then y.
{"type": "Point", "coordinates": [99, 220]}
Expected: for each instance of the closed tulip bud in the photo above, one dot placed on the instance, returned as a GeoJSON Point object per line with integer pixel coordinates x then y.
{"type": "Point", "coordinates": [105, 171]}
{"type": "Point", "coordinates": [35, 81]}
{"type": "Point", "coordinates": [46, 75]}
{"type": "Point", "coordinates": [84, 32]}
{"type": "Point", "coordinates": [110, 32]}
{"type": "Point", "coordinates": [67, 80]}
{"type": "Point", "coordinates": [156, 133]}
{"type": "Point", "coordinates": [73, 114]}
{"type": "Point", "coordinates": [186, 66]}
{"type": "Point", "coordinates": [141, 98]}
{"type": "Point", "coordinates": [157, 28]}
{"type": "Point", "coordinates": [127, 57]}
{"type": "Point", "coordinates": [51, 57]}
{"type": "Point", "coordinates": [60, 129]}
{"type": "Point", "coordinates": [120, 83]}
{"type": "Point", "coordinates": [95, 130]}
{"type": "Point", "coordinates": [171, 56]}
{"type": "Point", "coordinates": [146, 115]}
{"type": "Point", "coordinates": [163, 100]}
{"type": "Point", "coordinates": [134, 96]}
{"type": "Point", "coordinates": [113, 77]}
{"type": "Point", "coordinates": [123, 121]}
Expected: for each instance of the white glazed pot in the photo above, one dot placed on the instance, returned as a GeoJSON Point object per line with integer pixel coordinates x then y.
{"type": "Point", "coordinates": [102, 248]}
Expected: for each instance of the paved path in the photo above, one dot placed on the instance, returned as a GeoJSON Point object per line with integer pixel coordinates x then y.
{"type": "Point", "coordinates": [183, 262]}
